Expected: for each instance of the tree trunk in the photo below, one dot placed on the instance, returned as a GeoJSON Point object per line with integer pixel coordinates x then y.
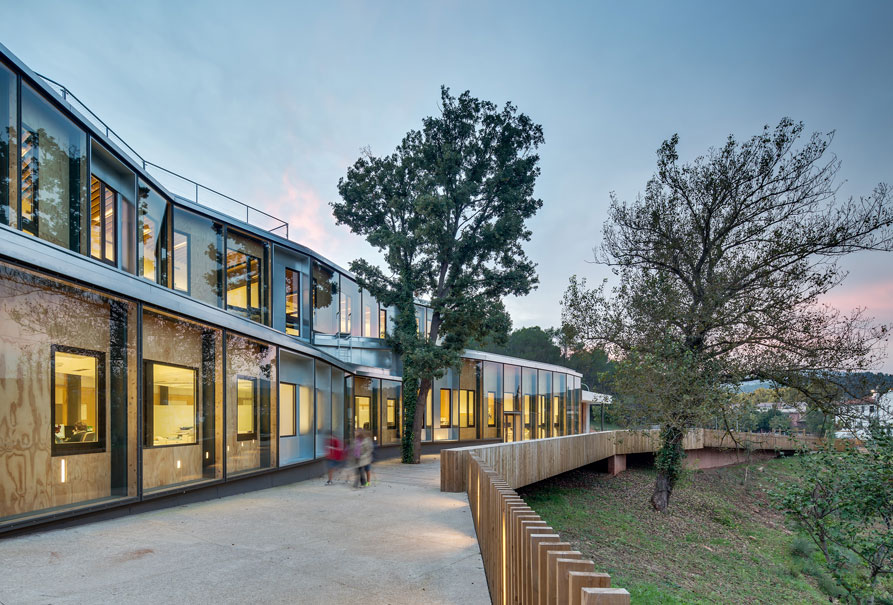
{"type": "Point", "coordinates": [418, 422]}
{"type": "Point", "coordinates": [668, 462]}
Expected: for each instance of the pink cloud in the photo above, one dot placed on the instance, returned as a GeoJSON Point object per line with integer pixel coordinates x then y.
{"type": "Point", "coordinates": [876, 298]}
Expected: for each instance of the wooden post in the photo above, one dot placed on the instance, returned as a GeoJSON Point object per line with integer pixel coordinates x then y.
{"type": "Point", "coordinates": [548, 596]}
{"type": "Point", "coordinates": [542, 565]}
{"type": "Point", "coordinates": [565, 568]}
{"type": "Point", "coordinates": [578, 580]}
{"type": "Point", "coordinates": [533, 567]}
{"type": "Point", "coordinates": [604, 596]}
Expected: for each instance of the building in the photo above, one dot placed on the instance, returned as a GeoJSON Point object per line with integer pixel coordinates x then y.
{"type": "Point", "coordinates": [161, 342]}
{"type": "Point", "coordinates": [856, 417]}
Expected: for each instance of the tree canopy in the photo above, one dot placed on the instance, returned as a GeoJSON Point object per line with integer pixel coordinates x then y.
{"type": "Point", "coordinates": [448, 209]}
{"type": "Point", "coordinates": [722, 264]}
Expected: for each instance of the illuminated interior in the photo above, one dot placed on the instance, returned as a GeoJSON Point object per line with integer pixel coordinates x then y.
{"type": "Point", "coordinates": [286, 409]}
{"type": "Point", "coordinates": [174, 391]}
{"type": "Point", "coordinates": [75, 398]}
{"type": "Point", "coordinates": [246, 407]}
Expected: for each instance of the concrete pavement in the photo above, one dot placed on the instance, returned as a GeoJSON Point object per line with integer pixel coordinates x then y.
{"type": "Point", "coordinates": [399, 541]}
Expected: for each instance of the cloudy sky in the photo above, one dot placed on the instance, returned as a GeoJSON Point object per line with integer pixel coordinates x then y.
{"type": "Point", "coordinates": [271, 101]}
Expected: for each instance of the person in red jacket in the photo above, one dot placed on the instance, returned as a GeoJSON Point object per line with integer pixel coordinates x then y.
{"type": "Point", "coordinates": [334, 455]}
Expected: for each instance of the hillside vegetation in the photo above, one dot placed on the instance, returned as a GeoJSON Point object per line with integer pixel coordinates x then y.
{"type": "Point", "coordinates": [719, 542]}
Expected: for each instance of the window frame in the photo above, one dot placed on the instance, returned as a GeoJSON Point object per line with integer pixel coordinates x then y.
{"type": "Point", "coordinates": [297, 294]}
{"type": "Point", "coordinates": [382, 323]}
{"type": "Point", "coordinates": [491, 399]}
{"type": "Point", "coordinates": [149, 404]}
{"type": "Point", "coordinates": [449, 424]}
{"type": "Point", "coordinates": [391, 405]}
{"type": "Point", "coordinates": [103, 188]}
{"type": "Point", "coordinates": [94, 447]}
{"type": "Point", "coordinates": [294, 406]}
{"type": "Point", "coordinates": [255, 389]}
{"type": "Point", "coordinates": [188, 290]}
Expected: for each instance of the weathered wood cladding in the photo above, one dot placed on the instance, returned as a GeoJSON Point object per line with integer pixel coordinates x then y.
{"type": "Point", "coordinates": [524, 559]}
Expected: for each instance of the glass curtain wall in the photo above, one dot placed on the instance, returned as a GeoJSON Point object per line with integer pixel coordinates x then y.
{"type": "Point", "coordinates": [366, 405]}
{"type": "Point", "coordinates": [469, 398]}
{"type": "Point", "coordinates": [446, 413]}
{"type": "Point", "coordinates": [492, 392]}
{"type": "Point", "coordinates": [251, 405]}
{"type": "Point", "coordinates": [153, 235]}
{"type": "Point", "coordinates": [512, 403]}
{"type": "Point", "coordinates": [391, 412]}
{"type": "Point", "coordinates": [338, 403]}
{"type": "Point", "coordinates": [68, 396]}
{"type": "Point", "coordinates": [529, 394]}
{"type": "Point", "coordinates": [182, 402]}
{"type": "Point", "coordinates": [576, 407]}
{"type": "Point", "coordinates": [421, 323]}
{"type": "Point", "coordinates": [351, 318]}
{"type": "Point", "coordinates": [544, 405]}
{"type": "Point", "coordinates": [371, 316]}
{"type": "Point", "coordinates": [53, 156]}
{"type": "Point", "coordinates": [323, 406]}
{"type": "Point", "coordinates": [9, 197]}
{"type": "Point", "coordinates": [197, 253]}
{"type": "Point", "coordinates": [325, 299]}
{"type": "Point", "coordinates": [559, 405]}
{"type": "Point", "coordinates": [246, 277]}
{"type": "Point", "coordinates": [296, 441]}
{"type": "Point", "coordinates": [120, 188]}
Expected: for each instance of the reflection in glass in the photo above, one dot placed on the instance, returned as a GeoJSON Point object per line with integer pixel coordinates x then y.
{"type": "Point", "coordinates": [382, 324]}
{"type": "Point", "coordinates": [287, 394]}
{"type": "Point", "coordinates": [292, 302]}
{"type": "Point", "coordinates": [197, 257]}
{"type": "Point", "coordinates": [53, 154]}
{"type": "Point", "coordinates": [350, 307]}
{"type": "Point", "coordinates": [103, 225]}
{"type": "Point", "coordinates": [245, 284]}
{"type": "Point", "coordinates": [371, 316]}
{"type": "Point", "coordinates": [246, 406]}
{"type": "Point", "coordinates": [152, 239]}
{"type": "Point", "coordinates": [8, 148]}
{"type": "Point", "coordinates": [171, 407]}
{"type": "Point", "coordinates": [77, 386]}
{"type": "Point", "coordinates": [325, 303]}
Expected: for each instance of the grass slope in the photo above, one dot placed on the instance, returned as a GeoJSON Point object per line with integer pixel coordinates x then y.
{"type": "Point", "coordinates": [720, 541]}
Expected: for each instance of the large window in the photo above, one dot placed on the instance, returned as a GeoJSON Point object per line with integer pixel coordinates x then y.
{"type": "Point", "coordinates": [445, 397]}
{"type": "Point", "coordinates": [246, 408]}
{"type": "Point", "coordinates": [170, 404]}
{"type": "Point", "coordinates": [78, 410]}
{"type": "Point", "coordinates": [152, 239]}
{"type": "Point", "coordinates": [324, 292]}
{"type": "Point", "coordinates": [466, 408]}
{"type": "Point", "coordinates": [198, 257]}
{"type": "Point", "coordinates": [103, 224]}
{"type": "Point", "coordinates": [371, 316]}
{"type": "Point", "coordinates": [53, 153]}
{"type": "Point", "coordinates": [245, 283]}
{"type": "Point", "coordinates": [287, 405]}
{"type": "Point", "coordinates": [350, 308]}
{"type": "Point", "coordinates": [364, 412]}
{"type": "Point", "coordinates": [292, 302]}
{"type": "Point", "coordinates": [382, 324]}
{"type": "Point", "coordinates": [8, 148]}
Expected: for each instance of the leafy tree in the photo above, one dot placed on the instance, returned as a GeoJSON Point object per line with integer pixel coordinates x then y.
{"type": "Point", "coordinates": [844, 503]}
{"type": "Point", "coordinates": [721, 267]}
{"type": "Point", "coordinates": [532, 343]}
{"type": "Point", "coordinates": [447, 208]}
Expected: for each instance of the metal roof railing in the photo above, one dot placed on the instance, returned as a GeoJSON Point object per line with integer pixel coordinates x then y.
{"type": "Point", "coordinates": [174, 182]}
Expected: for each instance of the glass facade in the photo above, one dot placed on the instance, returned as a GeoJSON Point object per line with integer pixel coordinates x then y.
{"type": "Point", "coordinates": [182, 401]}
{"type": "Point", "coordinates": [53, 156]}
{"type": "Point", "coordinates": [251, 405]}
{"type": "Point", "coordinates": [104, 400]}
{"type": "Point", "coordinates": [325, 299]}
{"type": "Point", "coordinates": [198, 257]}
{"type": "Point", "coordinates": [153, 226]}
{"type": "Point", "coordinates": [8, 148]}
{"type": "Point", "coordinates": [68, 396]}
{"type": "Point", "coordinates": [351, 317]}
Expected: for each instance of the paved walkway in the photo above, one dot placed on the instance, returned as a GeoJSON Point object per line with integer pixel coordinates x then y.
{"type": "Point", "coordinates": [399, 541]}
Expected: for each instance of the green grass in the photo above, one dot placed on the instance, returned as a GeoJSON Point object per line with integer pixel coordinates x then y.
{"type": "Point", "coordinates": [720, 541]}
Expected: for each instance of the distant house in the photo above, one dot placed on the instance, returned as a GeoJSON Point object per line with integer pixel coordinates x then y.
{"type": "Point", "coordinates": [854, 417]}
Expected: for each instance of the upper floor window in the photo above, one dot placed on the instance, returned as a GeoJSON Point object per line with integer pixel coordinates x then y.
{"type": "Point", "coordinates": [325, 299]}
{"type": "Point", "coordinates": [292, 302]}
{"type": "Point", "coordinates": [245, 283]}
{"type": "Point", "coordinates": [53, 155]}
{"type": "Point", "coordinates": [8, 148]}
{"type": "Point", "coordinates": [103, 222]}
{"type": "Point", "coordinates": [153, 220]}
{"type": "Point", "coordinates": [382, 323]}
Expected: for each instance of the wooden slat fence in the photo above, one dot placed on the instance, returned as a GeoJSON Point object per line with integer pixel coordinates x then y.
{"type": "Point", "coordinates": [524, 559]}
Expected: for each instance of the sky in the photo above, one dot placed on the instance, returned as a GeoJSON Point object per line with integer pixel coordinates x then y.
{"type": "Point", "coordinates": [270, 102]}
